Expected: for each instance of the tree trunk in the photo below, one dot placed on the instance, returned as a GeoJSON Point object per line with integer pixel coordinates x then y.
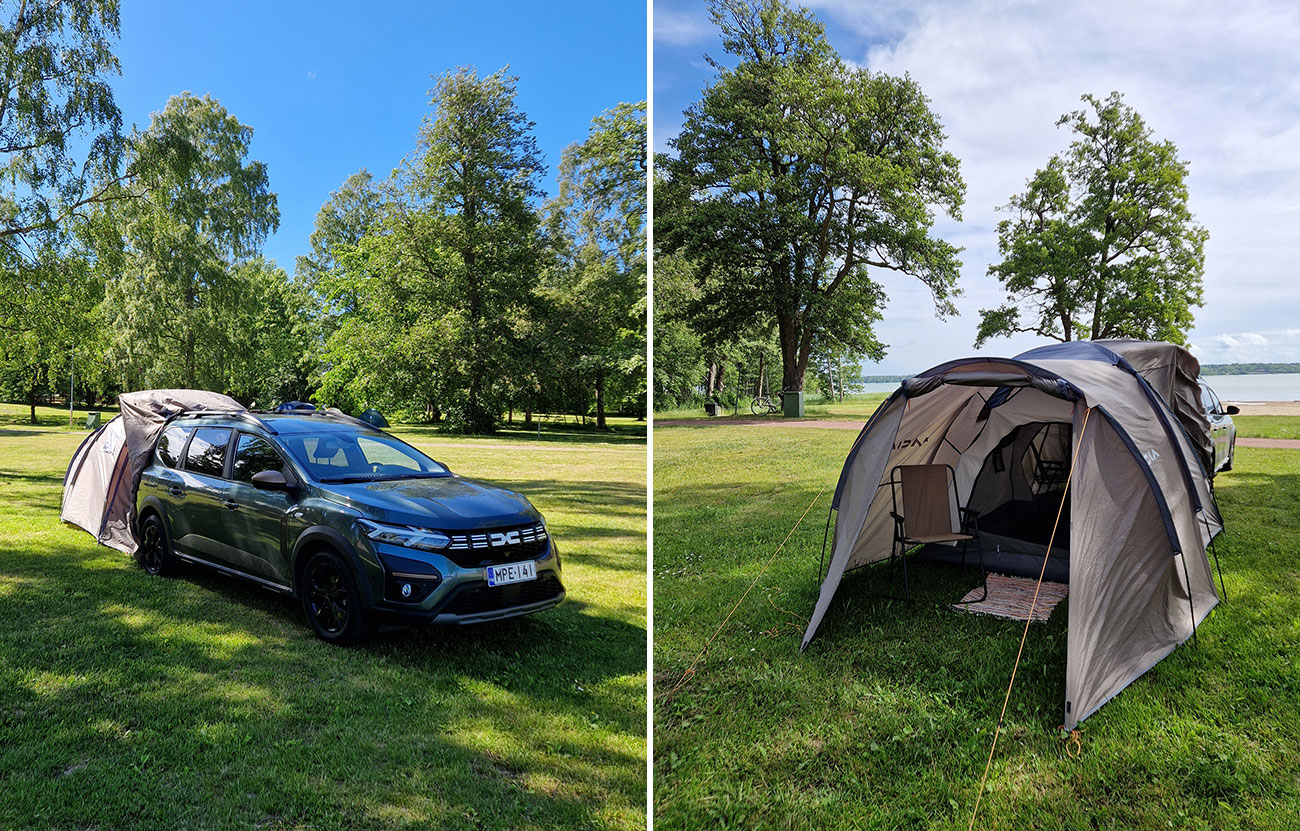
{"type": "Point", "coordinates": [712, 379]}
{"type": "Point", "coordinates": [31, 395]}
{"type": "Point", "coordinates": [789, 332]}
{"type": "Point", "coordinates": [830, 376]}
{"type": "Point", "coordinates": [761, 373]}
{"type": "Point", "coordinates": [528, 414]}
{"type": "Point", "coordinates": [839, 368]}
{"type": "Point", "coordinates": [600, 398]}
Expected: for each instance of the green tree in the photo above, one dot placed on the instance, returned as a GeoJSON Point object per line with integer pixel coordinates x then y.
{"type": "Point", "coordinates": [206, 209]}
{"type": "Point", "coordinates": [448, 273]}
{"type": "Point", "coordinates": [1102, 243]}
{"type": "Point", "coordinates": [797, 174]}
{"type": "Point", "coordinates": [599, 222]}
{"type": "Point", "coordinates": [56, 58]}
{"type": "Point", "coordinates": [60, 143]}
{"type": "Point", "coordinates": [345, 219]}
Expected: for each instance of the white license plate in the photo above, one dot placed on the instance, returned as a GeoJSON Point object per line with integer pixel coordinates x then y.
{"type": "Point", "coordinates": [512, 573]}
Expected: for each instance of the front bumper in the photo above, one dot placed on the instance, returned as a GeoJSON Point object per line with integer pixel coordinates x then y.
{"type": "Point", "coordinates": [476, 602]}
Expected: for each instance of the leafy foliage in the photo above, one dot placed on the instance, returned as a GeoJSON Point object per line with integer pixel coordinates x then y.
{"type": "Point", "coordinates": [205, 211]}
{"type": "Point", "coordinates": [796, 175]}
{"type": "Point", "coordinates": [1101, 244]}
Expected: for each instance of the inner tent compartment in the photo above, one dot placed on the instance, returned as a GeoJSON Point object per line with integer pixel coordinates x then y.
{"type": "Point", "coordinates": [1015, 459]}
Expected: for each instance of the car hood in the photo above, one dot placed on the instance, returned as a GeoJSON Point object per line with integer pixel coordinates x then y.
{"type": "Point", "coordinates": [451, 503]}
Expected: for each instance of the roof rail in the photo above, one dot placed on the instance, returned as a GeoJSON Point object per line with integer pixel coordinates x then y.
{"type": "Point", "coordinates": [333, 412]}
{"type": "Point", "coordinates": [240, 414]}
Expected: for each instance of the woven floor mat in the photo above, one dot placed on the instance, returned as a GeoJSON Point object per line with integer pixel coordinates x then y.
{"type": "Point", "coordinates": [1010, 598]}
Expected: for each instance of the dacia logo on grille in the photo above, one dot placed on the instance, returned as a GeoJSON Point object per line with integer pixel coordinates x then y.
{"type": "Point", "coordinates": [508, 538]}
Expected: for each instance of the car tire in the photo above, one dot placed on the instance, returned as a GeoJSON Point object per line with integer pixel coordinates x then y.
{"type": "Point", "coordinates": [332, 602]}
{"type": "Point", "coordinates": [154, 550]}
{"type": "Point", "coordinates": [1232, 451]}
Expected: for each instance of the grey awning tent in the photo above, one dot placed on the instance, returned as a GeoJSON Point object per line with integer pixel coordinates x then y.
{"type": "Point", "coordinates": [99, 487]}
{"type": "Point", "coordinates": [1140, 510]}
{"type": "Point", "coordinates": [1173, 372]}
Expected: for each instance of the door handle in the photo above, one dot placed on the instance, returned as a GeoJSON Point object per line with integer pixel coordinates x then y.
{"type": "Point", "coordinates": [232, 504]}
{"type": "Point", "coordinates": [175, 491]}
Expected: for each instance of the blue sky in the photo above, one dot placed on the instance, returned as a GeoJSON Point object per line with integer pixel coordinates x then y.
{"type": "Point", "coordinates": [329, 88]}
{"type": "Point", "coordinates": [1222, 82]}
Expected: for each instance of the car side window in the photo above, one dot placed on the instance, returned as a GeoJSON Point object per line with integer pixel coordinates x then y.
{"type": "Point", "coordinates": [171, 445]}
{"type": "Point", "coordinates": [207, 453]}
{"type": "Point", "coordinates": [1207, 399]}
{"type": "Point", "coordinates": [254, 454]}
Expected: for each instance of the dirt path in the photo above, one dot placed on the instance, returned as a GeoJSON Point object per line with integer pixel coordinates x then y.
{"type": "Point", "coordinates": [1292, 444]}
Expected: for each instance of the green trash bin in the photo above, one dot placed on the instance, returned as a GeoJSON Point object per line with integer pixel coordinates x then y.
{"type": "Point", "coordinates": [92, 421]}
{"type": "Point", "coordinates": [792, 404]}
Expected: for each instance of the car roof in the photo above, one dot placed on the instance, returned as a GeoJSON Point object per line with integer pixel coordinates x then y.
{"type": "Point", "coordinates": [280, 423]}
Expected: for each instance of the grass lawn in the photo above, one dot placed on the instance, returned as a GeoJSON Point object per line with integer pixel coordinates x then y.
{"type": "Point", "coordinates": [1267, 427]}
{"type": "Point", "coordinates": [885, 721]}
{"type": "Point", "coordinates": [859, 406]}
{"type": "Point", "coordinates": [201, 702]}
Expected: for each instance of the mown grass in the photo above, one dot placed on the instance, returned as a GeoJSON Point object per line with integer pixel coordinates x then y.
{"type": "Point", "coordinates": [199, 702]}
{"type": "Point", "coordinates": [885, 721]}
{"type": "Point", "coordinates": [1267, 427]}
{"type": "Point", "coordinates": [859, 406]}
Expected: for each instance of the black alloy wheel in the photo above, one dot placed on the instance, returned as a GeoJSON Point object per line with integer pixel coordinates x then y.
{"type": "Point", "coordinates": [331, 601]}
{"type": "Point", "coordinates": [152, 553]}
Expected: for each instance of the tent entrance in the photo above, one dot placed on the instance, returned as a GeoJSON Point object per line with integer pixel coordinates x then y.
{"type": "Point", "coordinates": [1018, 492]}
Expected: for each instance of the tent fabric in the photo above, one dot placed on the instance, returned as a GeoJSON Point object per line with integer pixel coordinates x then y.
{"type": "Point", "coordinates": [1172, 371]}
{"type": "Point", "coordinates": [1140, 508]}
{"type": "Point", "coordinates": [100, 485]}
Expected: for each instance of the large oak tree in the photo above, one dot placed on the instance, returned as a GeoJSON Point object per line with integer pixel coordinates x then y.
{"type": "Point", "coordinates": [798, 177]}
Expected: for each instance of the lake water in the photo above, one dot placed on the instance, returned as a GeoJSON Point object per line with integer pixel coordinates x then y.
{"type": "Point", "coordinates": [1236, 388]}
{"type": "Point", "coordinates": [1281, 387]}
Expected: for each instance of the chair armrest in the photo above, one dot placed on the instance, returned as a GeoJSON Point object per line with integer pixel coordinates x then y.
{"type": "Point", "coordinates": [970, 518]}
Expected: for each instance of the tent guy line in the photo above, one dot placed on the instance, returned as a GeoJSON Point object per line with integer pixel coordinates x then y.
{"type": "Point", "coordinates": [690, 670]}
{"type": "Point", "coordinates": [997, 728]}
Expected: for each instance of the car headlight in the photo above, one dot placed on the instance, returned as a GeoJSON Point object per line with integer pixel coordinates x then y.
{"type": "Point", "coordinates": [421, 539]}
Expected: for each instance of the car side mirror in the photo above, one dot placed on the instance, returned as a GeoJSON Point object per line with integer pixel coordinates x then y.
{"type": "Point", "coordinates": [270, 480]}
{"type": "Point", "coordinates": [1232, 409]}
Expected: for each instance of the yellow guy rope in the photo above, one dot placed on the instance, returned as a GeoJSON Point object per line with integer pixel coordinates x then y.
{"type": "Point", "coordinates": [691, 669]}
{"type": "Point", "coordinates": [997, 729]}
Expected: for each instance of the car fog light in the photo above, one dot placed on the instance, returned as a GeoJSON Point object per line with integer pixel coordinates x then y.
{"type": "Point", "coordinates": [406, 590]}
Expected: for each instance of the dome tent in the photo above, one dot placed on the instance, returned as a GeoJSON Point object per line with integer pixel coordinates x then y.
{"type": "Point", "coordinates": [99, 486]}
{"type": "Point", "coordinates": [1140, 506]}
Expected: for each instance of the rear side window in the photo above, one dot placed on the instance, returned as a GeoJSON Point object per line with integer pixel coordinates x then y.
{"type": "Point", "coordinates": [207, 452]}
{"type": "Point", "coordinates": [254, 455]}
{"type": "Point", "coordinates": [171, 444]}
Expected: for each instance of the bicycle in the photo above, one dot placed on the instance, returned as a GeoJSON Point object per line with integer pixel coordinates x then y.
{"type": "Point", "coordinates": [763, 404]}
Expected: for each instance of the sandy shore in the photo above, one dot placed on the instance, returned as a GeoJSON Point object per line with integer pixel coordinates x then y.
{"type": "Point", "coordinates": [1270, 408]}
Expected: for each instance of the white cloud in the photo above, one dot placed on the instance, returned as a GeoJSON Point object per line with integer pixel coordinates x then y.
{"type": "Point", "coordinates": [1222, 82]}
{"type": "Point", "coordinates": [679, 27]}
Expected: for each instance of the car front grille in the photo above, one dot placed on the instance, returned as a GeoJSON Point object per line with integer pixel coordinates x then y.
{"type": "Point", "coordinates": [477, 598]}
{"type": "Point", "coordinates": [493, 546]}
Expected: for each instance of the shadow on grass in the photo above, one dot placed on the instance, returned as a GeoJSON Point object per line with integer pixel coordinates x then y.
{"type": "Point", "coordinates": [167, 703]}
{"type": "Point", "coordinates": [621, 434]}
{"type": "Point", "coordinates": [886, 720]}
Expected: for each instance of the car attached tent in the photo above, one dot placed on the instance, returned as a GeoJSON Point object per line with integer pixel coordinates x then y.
{"type": "Point", "coordinates": [1173, 372]}
{"type": "Point", "coordinates": [100, 485]}
{"type": "Point", "coordinates": [1132, 537]}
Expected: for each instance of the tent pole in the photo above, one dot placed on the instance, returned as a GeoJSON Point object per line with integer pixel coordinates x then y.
{"type": "Point", "coordinates": [1215, 551]}
{"type": "Point", "coordinates": [1190, 605]}
{"type": "Point", "coordinates": [825, 535]}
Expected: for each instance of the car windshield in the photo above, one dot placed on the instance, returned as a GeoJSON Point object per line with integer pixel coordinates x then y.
{"type": "Point", "coordinates": [359, 457]}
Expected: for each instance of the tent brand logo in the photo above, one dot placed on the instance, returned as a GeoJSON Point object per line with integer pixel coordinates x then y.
{"type": "Point", "coordinates": [1151, 455]}
{"type": "Point", "coordinates": [508, 538]}
{"type": "Point", "coordinates": [910, 443]}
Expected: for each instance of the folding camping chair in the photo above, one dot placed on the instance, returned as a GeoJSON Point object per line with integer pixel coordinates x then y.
{"type": "Point", "coordinates": [929, 493]}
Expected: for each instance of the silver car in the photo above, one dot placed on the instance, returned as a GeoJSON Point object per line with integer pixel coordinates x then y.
{"type": "Point", "coordinates": [1222, 430]}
